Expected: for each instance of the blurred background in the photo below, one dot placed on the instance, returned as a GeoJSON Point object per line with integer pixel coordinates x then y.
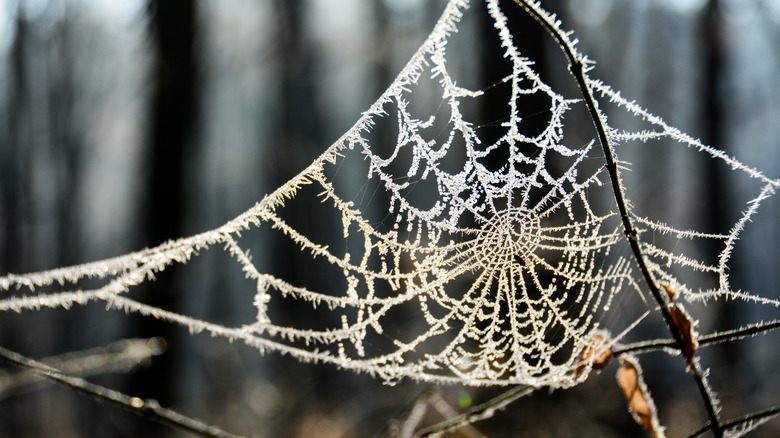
{"type": "Point", "coordinates": [125, 124]}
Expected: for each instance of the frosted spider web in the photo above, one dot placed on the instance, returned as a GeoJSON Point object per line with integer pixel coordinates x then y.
{"type": "Point", "coordinates": [508, 274]}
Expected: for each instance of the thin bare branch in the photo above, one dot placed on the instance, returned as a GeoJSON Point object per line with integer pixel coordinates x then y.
{"type": "Point", "coordinates": [479, 412]}
{"type": "Point", "coordinates": [577, 67]}
{"type": "Point", "coordinates": [117, 357]}
{"type": "Point", "coordinates": [733, 335]}
{"type": "Point", "coordinates": [755, 418]}
{"type": "Point", "coordinates": [148, 408]}
{"type": "Point", "coordinates": [711, 339]}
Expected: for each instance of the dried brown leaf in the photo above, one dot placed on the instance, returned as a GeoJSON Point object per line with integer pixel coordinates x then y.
{"type": "Point", "coordinates": [596, 353]}
{"type": "Point", "coordinates": [670, 292]}
{"type": "Point", "coordinates": [640, 403]}
{"type": "Point", "coordinates": [686, 328]}
{"type": "Point", "coordinates": [683, 324]}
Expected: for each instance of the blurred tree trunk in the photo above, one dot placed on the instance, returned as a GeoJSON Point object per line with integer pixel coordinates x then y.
{"type": "Point", "coordinates": [712, 40]}
{"type": "Point", "coordinates": [13, 171]}
{"type": "Point", "coordinates": [66, 140]}
{"type": "Point", "coordinates": [719, 199]}
{"type": "Point", "coordinates": [174, 108]}
{"type": "Point", "coordinates": [296, 129]}
{"type": "Point", "coordinates": [13, 180]}
{"type": "Point", "coordinates": [173, 113]}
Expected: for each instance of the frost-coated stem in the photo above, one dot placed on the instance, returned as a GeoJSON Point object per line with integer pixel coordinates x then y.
{"type": "Point", "coordinates": [148, 408]}
{"type": "Point", "coordinates": [577, 69]}
{"type": "Point", "coordinates": [704, 340]}
{"type": "Point", "coordinates": [747, 422]}
{"type": "Point", "coordinates": [478, 413]}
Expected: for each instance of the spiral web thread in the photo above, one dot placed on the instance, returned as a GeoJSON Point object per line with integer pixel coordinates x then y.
{"type": "Point", "coordinates": [508, 273]}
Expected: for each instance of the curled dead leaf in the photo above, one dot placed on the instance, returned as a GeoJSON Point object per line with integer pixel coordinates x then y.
{"type": "Point", "coordinates": [640, 403]}
{"type": "Point", "coordinates": [670, 292]}
{"type": "Point", "coordinates": [596, 353]}
{"type": "Point", "coordinates": [688, 335]}
{"type": "Point", "coordinates": [683, 324]}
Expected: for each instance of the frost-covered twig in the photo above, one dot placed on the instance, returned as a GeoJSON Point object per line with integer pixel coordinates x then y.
{"type": "Point", "coordinates": [578, 66]}
{"type": "Point", "coordinates": [479, 412]}
{"type": "Point", "coordinates": [704, 340]}
{"type": "Point", "coordinates": [148, 408]}
{"type": "Point", "coordinates": [121, 356]}
{"type": "Point", "coordinates": [741, 425]}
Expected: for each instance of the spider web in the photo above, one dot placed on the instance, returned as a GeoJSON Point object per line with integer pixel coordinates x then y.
{"type": "Point", "coordinates": [507, 274]}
